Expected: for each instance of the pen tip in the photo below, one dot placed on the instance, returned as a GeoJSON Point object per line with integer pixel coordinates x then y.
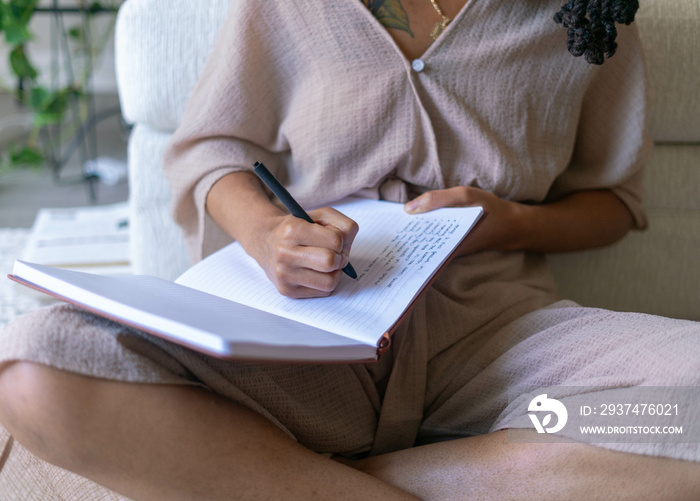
{"type": "Point", "coordinates": [350, 271]}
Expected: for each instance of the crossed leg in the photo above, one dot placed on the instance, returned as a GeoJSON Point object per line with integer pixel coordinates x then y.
{"type": "Point", "coordinates": [488, 467]}
{"type": "Point", "coordinates": [172, 442]}
{"type": "Point", "coordinates": [167, 442]}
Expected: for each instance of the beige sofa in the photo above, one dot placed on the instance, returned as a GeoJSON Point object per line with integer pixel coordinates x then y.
{"type": "Point", "coordinates": [161, 47]}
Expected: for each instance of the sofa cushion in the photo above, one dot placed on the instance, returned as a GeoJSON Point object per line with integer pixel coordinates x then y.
{"type": "Point", "coordinates": [656, 271]}
{"type": "Point", "coordinates": [669, 31]}
{"type": "Point", "coordinates": [672, 178]}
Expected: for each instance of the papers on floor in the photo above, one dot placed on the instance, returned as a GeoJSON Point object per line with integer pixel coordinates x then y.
{"type": "Point", "coordinates": [90, 239]}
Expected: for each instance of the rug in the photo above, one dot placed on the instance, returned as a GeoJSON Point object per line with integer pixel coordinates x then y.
{"type": "Point", "coordinates": [15, 299]}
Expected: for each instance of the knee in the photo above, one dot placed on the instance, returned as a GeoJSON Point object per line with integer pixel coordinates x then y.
{"type": "Point", "coordinates": [36, 408]}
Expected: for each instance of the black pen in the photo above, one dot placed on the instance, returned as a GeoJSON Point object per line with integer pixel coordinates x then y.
{"type": "Point", "coordinates": [289, 202]}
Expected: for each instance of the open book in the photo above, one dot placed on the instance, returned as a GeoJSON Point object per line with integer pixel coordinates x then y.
{"type": "Point", "coordinates": [225, 305]}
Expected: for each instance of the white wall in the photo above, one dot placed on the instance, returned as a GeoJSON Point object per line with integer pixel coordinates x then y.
{"type": "Point", "coordinates": [104, 81]}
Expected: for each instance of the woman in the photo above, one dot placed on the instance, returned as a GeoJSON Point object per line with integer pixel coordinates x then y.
{"type": "Point", "coordinates": [344, 98]}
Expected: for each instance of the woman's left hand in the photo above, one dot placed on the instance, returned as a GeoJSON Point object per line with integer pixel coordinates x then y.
{"type": "Point", "coordinates": [498, 230]}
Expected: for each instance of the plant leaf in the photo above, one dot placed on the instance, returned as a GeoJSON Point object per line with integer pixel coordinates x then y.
{"type": "Point", "coordinates": [44, 118]}
{"type": "Point", "coordinates": [53, 106]}
{"type": "Point", "coordinates": [22, 10]}
{"type": "Point", "coordinates": [76, 33]}
{"type": "Point", "coordinates": [95, 7]}
{"type": "Point", "coordinates": [58, 101]}
{"type": "Point", "coordinates": [39, 98]}
{"type": "Point", "coordinates": [20, 64]}
{"type": "Point", "coordinates": [16, 33]}
{"type": "Point", "coordinates": [26, 156]}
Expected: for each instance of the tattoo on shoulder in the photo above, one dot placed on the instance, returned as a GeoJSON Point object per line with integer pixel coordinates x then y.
{"type": "Point", "coordinates": [390, 13]}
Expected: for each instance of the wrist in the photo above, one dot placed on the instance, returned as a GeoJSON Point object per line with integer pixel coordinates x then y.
{"type": "Point", "coordinates": [520, 217]}
{"type": "Point", "coordinates": [240, 207]}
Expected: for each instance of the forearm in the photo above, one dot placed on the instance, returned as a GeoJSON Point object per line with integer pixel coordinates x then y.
{"type": "Point", "coordinates": [582, 220]}
{"type": "Point", "coordinates": [579, 221]}
{"type": "Point", "coordinates": [239, 204]}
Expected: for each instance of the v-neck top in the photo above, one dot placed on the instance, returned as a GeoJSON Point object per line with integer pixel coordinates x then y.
{"type": "Point", "coordinates": [454, 22]}
{"type": "Point", "coordinates": [321, 93]}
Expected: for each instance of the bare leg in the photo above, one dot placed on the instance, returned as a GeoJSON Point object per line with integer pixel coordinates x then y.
{"type": "Point", "coordinates": [167, 442]}
{"type": "Point", "coordinates": [488, 467]}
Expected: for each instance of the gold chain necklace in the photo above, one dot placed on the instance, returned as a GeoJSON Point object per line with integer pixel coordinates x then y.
{"type": "Point", "coordinates": [440, 25]}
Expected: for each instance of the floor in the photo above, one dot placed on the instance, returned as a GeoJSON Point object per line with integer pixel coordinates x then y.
{"type": "Point", "coordinates": [23, 192]}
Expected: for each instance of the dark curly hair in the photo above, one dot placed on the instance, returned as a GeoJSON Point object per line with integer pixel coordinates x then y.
{"type": "Point", "coordinates": [591, 26]}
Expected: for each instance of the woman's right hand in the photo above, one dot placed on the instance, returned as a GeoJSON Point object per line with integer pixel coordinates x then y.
{"type": "Point", "coordinates": [305, 260]}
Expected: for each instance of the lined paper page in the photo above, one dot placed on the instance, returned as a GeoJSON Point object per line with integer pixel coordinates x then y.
{"type": "Point", "coordinates": [394, 255]}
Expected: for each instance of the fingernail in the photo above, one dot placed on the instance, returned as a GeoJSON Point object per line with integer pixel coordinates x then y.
{"type": "Point", "coordinates": [413, 206]}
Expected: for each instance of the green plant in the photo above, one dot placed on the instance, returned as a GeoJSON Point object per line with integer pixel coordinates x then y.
{"type": "Point", "coordinates": [49, 104]}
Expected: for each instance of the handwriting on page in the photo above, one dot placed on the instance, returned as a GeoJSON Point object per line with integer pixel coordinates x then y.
{"type": "Point", "coordinates": [392, 266]}
{"type": "Point", "coordinates": [412, 248]}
